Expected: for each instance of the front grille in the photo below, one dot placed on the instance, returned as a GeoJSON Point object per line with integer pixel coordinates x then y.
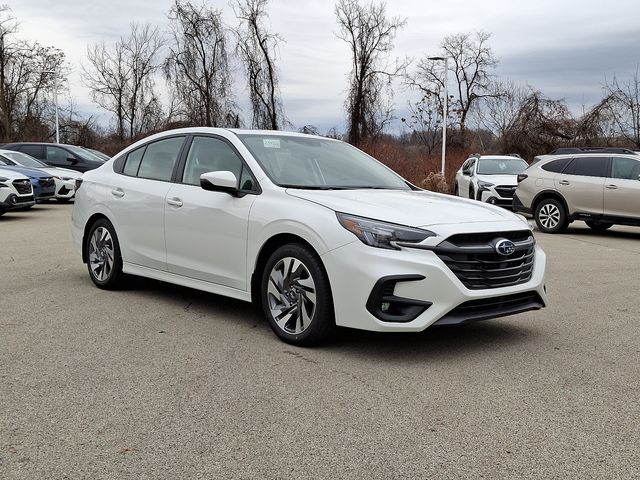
{"type": "Point", "coordinates": [46, 182]}
{"type": "Point", "coordinates": [505, 191]}
{"type": "Point", "coordinates": [486, 308]}
{"type": "Point", "coordinates": [23, 187]}
{"type": "Point", "coordinates": [473, 259]}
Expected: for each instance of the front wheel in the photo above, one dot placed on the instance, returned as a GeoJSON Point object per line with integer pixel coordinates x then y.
{"type": "Point", "coordinates": [296, 296]}
{"type": "Point", "coordinates": [551, 216]}
{"type": "Point", "coordinates": [104, 261]}
{"type": "Point", "coordinates": [456, 190]}
{"type": "Point", "coordinates": [599, 226]}
{"type": "Point", "coordinates": [472, 193]}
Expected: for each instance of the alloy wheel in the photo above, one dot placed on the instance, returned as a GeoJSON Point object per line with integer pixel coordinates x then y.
{"type": "Point", "coordinates": [549, 216]}
{"type": "Point", "coordinates": [101, 254]}
{"type": "Point", "coordinates": [291, 295]}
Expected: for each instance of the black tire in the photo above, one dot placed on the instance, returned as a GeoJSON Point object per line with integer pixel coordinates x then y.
{"type": "Point", "coordinates": [290, 296]}
{"type": "Point", "coordinates": [113, 277]}
{"type": "Point", "coordinates": [63, 200]}
{"type": "Point", "coordinates": [456, 190]}
{"type": "Point", "coordinates": [551, 216]}
{"type": "Point", "coordinates": [599, 226]}
{"type": "Point", "coordinates": [472, 193]}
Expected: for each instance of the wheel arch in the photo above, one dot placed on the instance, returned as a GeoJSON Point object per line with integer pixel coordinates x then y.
{"type": "Point", "coordinates": [87, 226]}
{"type": "Point", "coordinates": [549, 194]}
{"type": "Point", "coordinates": [266, 250]}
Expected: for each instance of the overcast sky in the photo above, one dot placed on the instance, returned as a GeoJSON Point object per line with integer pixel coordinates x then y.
{"type": "Point", "coordinates": [565, 48]}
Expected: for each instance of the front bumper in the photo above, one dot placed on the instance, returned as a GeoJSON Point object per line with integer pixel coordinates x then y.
{"type": "Point", "coordinates": [355, 269]}
{"type": "Point", "coordinates": [65, 189]}
{"type": "Point", "coordinates": [14, 202]}
{"type": "Point", "coordinates": [490, 195]}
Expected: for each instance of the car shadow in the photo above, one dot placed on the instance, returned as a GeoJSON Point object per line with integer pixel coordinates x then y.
{"type": "Point", "coordinates": [613, 232]}
{"type": "Point", "coordinates": [9, 217]}
{"type": "Point", "coordinates": [433, 343]}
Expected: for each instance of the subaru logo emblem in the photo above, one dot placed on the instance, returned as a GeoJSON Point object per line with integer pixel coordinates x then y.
{"type": "Point", "coordinates": [505, 247]}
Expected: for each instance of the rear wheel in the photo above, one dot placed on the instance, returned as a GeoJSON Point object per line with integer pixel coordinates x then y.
{"type": "Point", "coordinates": [104, 261]}
{"type": "Point", "coordinates": [456, 190]}
{"type": "Point", "coordinates": [599, 226]}
{"type": "Point", "coordinates": [551, 216]}
{"type": "Point", "coordinates": [472, 193]}
{"type": "Point", "coordinates": [296, 296]}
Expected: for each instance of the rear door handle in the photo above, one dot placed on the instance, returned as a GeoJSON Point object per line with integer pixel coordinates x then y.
{"type": "Point", "coordinates": [117, 192]}
{"type": "Point", "coordinates": [612, 187]}
{"type": "Point", "coordinates": [174, 202]}
{"type": "Point", "coordinates": [564, 182]}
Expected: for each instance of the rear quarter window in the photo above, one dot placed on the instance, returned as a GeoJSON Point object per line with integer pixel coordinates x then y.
{"type": "Point", "coordinates": [556, 166]}
{"type": "Point", "coordinates": [588, 167]}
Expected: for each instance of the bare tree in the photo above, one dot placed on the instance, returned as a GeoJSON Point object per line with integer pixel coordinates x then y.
{"type": "Point", "coordinates": [471, 60]}
{"type": "Point", "coordinates": [499, 109]}
{"type": "Point", "coordinates": [257, 49]}
{"type": "Point", "coordinates": [624, 106]}
{"type": "Point", "coordinates": [541, 125]}
{"type": "Point", "coordinates": [370, 34]}
{"type": "Point", "coordinates": [121, 79]}
{"type": "Point", "coordinates": [197, 67]}
{"type": "Point", "coordinates": [25, 81]}
{"type": "Point", "coordinates": [425, 121]}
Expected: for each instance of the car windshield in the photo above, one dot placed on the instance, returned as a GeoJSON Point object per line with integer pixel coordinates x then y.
{"type": "Point", "coordinates": [317, 163]}
{"type": "Point", "coordinates": [501, 166]}
{"type": "Point", "coordinates": [23, 159]}
{"type": "Point", "coordinates": [85, 154]}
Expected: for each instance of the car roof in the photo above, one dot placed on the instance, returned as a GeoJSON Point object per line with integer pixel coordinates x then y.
{"type": "Point", "coordinates": [549, 157]}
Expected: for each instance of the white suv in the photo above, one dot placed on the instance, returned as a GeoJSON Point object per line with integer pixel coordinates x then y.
{"type": "Point", "coordinates": [15, 191]}
{"type": "Point", "coordinates": [312, 229]}
{"type": "Point", "coordinates": [489, 178]}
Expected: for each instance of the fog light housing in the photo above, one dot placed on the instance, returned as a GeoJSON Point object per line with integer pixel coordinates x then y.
{"type": "Point", "coordinates": [386, 306]}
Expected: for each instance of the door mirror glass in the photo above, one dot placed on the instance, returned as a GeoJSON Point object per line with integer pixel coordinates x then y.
{"type": "Point", "coordinates": [72, 160]}
{"type": "Point", "coordinates": [220, 181]}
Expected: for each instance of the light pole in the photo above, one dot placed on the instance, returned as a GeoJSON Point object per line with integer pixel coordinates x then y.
{"type": "Point", "coordinates": [55, 100]}
{"type": "Point", "coordinates": [444, 108]}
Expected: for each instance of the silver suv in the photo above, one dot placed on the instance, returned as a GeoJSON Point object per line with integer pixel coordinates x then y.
{"type": "Point", "coordinates": [601, 187]}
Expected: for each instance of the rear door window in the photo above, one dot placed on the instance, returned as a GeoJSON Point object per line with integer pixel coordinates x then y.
{"type": "Point", "coordinates": [625, 168]}
{"type": "Point", "coordinates": [588, 167]}
{"type": "Point", "coordinates": [133, 161]}
{"type": "Point", "coordinates": [160, 158]}
{"type": "Point", "coordinates": [36, 151]}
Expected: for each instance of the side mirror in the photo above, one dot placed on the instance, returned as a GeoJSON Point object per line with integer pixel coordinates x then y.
{"type": "Point", "coordinates": [72, 160]}
{"type": "Point", "coordinates": [221, 181]}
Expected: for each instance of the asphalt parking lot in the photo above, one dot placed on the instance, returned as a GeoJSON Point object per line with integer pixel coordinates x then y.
{"type": "Point", "coordinates": [160, 381]}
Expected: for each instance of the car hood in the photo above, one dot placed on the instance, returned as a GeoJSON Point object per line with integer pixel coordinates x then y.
{"type": "Point", "coordinates": [29, 172]}
{"type": "Point", "coordinates": [11, 174]}
{"type": "Point", "coordinates": [61, 172]}
{"type": "Point", "coordinates": [510, 180]}
{"type": "Point", "coordinates": [412, 208]}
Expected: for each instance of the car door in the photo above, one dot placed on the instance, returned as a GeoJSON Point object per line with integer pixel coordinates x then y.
{"type": "Point", "coordinates": [206, 231]}
{"type": "Point", "coordinates": [622, 188]}
{"type": "Point", "coordinates": [137, 198]}
{"type": "Point", "coordinates": [582, 184]}
{"type": "Point", "coordinates": [63, 158]}
{"type": "Point", "coordinates": [465, 181]}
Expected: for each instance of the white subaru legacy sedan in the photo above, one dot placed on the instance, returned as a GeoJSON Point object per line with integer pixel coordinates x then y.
{"type": "Point", "coordinates": [313, 230]}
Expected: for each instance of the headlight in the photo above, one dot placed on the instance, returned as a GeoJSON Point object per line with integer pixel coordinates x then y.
{"type": "Point", "coordinates": [2, 180]}
{"type": "Point", "coordinates": [482, 184]}
{"type": "Point", "coordinates": [382, 234]}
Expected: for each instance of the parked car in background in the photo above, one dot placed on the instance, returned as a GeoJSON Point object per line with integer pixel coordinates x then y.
{"type": "Point", "coordinates": [489, 178]}
{"type": "Point", "coordinates": [64, 178]}
{"type": "Point", "coordinates": [16, 191]}
{"type": "Point", "coordinates": [311, 228]}
{"type": "Point", "coordinates": [600, 188]}
{"type": "Point", "coordinates": [44, 186]}
{"type": "Point", "coordinates": [98, 153]}
{"type": "Point", "coordinates": [59, 155]}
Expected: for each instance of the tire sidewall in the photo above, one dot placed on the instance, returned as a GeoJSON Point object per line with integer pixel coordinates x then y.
{"type": "Point", "coordinates": [322, 321]}
{"type": "Point", "coordinates": [562, 223]}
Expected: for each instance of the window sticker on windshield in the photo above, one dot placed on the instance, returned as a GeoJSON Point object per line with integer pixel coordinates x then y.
{"type": "Point", "coordinates": [271, 142]}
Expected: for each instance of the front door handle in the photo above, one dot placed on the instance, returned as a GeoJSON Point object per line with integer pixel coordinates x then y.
{"type": "Point", "coordinates": [564, 182]}
{"type": "Point", "coordinates": [117, 192]}
{"type": "Point", "coordinates": [612, 187]}
{"type": "Point", "coordinates": [174, 202]}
